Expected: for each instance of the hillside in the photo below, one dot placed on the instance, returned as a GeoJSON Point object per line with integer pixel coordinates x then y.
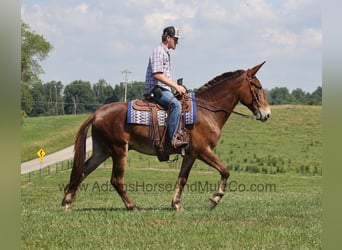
{"type": "Point", "coordinates": [51, 133]}
{"type": "Point", "coordinates": [291, 141]}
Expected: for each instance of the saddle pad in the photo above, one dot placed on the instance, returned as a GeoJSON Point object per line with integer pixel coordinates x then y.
{"type": "Point", "coordinates": [144, 117]}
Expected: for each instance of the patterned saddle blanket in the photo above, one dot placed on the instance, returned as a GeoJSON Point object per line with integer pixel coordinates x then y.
{"type": "Point", "coordinates": [139, 112]}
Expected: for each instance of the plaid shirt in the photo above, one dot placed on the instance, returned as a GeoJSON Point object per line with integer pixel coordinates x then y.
{"type": "Point", "coordinates": [159, 61]}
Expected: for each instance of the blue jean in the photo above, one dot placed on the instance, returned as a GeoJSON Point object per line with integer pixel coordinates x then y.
{"type": "Point", "coordinates": [167, 100]}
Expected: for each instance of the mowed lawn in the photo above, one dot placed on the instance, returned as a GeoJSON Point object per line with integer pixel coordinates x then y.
{"type": "Point", "coordinates": [52, 133]}
{"type": "Point", "coordinates": [259, 211]}
{"type": "Point", "coordinates": [273, 199]}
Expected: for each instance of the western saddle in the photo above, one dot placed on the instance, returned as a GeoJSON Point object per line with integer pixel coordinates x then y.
{"type": "Point", "coordinates": [157, 132]}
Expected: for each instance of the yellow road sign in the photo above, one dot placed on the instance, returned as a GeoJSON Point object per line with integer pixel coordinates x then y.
{"type": "Point", "coordinates": [41, 153]}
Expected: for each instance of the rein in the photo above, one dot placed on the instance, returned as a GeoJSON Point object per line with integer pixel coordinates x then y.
{"type": "Point", "coordinates": [204, 105]}
{"type": "Point", "coordinates": [212, 109]}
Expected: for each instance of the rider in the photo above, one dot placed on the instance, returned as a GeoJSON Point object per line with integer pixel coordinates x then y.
{"type": "Point", "coordinates": [158, 82]}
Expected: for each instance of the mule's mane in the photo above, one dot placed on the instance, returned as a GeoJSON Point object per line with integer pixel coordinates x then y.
{"type": "Point", "coordinates": [219, 78]}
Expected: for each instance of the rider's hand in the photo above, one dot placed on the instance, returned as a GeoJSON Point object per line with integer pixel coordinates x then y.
{"type": "Point", "coordinates": [181, 89]}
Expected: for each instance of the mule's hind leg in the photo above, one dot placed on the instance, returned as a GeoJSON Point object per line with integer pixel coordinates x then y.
{"type": "Point", "coordinates": [119, 158]}
{"type": "Point", "coordinates": [98, 156]}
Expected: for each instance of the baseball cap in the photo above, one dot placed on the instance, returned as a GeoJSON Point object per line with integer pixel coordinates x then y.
{"type": "Point", "coordinates": [171, 31]}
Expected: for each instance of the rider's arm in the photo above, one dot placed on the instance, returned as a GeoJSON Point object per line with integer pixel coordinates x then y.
{"type": "Point", "coordinates": [162, 78]}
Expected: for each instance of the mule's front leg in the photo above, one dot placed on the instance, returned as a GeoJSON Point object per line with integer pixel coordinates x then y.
{"type": "Point", "coordinates": [211, 159]}
{"type": "Point", "coordinates": [182, 179]}
{"type": "Point", "coordinates": [219, 193]}
{"type": "Point", "coordinates": [176, 200]}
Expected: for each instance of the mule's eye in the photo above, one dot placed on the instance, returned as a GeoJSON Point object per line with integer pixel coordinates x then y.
{"type": "Point", "coordinates": [256, 84]}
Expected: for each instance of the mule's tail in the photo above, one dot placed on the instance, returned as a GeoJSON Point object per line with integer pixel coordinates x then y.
{"type": "Point", "coordinates": [79, 159]}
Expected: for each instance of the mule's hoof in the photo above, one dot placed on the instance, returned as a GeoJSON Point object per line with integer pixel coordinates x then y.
{"type": "Point", "coordinates": [139, 209]}
{"type": "Point", "coordinates": [135, 208]}
{"type": "Point", "coordinates": [212, 203]}
{"type": "Point", "coordinates": [68, 207]}
{"type": "Point", "coordinates": [177, 206]}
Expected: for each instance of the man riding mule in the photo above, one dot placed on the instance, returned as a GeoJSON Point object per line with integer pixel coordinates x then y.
{"type": "Point", "coordinates": [214, 102]}
{"type": "Point", "coordinates": [113, 137]}
{"type": "Point", "coordinates": [158, 83]}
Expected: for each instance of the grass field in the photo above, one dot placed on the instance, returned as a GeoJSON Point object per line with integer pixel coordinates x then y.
{"type": "Point", "coordinates": [291, 141]}
{"type": "Point", "coordinates": [286, 215]}
{"type": "Point", "coordinates": [51, 133]}
{"type": "Point", "coordinates": [273, 199]}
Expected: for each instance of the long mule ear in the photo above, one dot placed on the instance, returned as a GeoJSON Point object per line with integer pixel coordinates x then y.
{"type": "Point", "coordinates": [255, 69]}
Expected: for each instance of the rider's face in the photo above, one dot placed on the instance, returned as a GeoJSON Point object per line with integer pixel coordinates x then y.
{"type": "Point", "coordinates": [171, 42]}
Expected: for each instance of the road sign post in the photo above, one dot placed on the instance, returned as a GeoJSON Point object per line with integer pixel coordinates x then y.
{"type": "Point", "coordinates": [41, 154]}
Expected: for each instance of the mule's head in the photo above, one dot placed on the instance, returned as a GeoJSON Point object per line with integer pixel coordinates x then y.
{"type": "Point", "coordinates": [253, 96]}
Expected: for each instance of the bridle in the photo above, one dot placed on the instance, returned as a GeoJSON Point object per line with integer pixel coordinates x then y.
{"type": "Point", "coordinates": [256, 100]}
{"type": "Point", "coordinates": [254, 95]}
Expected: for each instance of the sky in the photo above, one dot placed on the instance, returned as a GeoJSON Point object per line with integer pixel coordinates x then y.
{"type": "Point", "coordinates": [100, 39]}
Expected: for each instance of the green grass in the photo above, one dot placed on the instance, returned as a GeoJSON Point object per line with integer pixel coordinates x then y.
{"type": "Point", "coordinates": [291, 141]}
{"type": "Point", "coordinates": [287, 217]}
{"type": "Point", "coordinates": [284, 154]}
{"type": "Point", "coordinates": [51, 133]}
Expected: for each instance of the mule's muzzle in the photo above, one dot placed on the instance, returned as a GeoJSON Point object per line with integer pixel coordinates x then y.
{"type": "Point", "coordinates": [262, 114]}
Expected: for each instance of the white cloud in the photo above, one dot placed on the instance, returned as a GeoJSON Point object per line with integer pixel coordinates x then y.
{"type": "Point", "coordinates": [291, 6]}
{"type": "Point", "coordinates": [239, 12]}
{"type": "Point", "coordinates": [257, 11]}
{"type": "Point", "coordinates": [227, 34]}
{"type": "Point", "coordinates": [82, 8]}
{"type": "Point", "coordinates": [168, 13]}
{"type": "Point", "coordinates": [295, 42]}
{"type": "Point", "coordinates": [153, 22]}
{"type": "Point", "coordinates": [214, 12]}
{"type": "Point", "coordinates": [35, 17]}
{"type": "Point", "coordinates": [280, 38]}
{"type": "Point", "coordinates": [311, 38]}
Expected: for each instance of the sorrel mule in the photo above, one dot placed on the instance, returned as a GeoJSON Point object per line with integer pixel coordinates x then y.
{"type": "Point", "coordinates": [113, 137]}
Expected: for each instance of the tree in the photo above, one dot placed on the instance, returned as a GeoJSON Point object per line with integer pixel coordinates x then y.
{"type": "Point", "coordinates": [135, 90]}
{"type": "Point", "coordinates": [280, 96]}
{"type": "Point", "coordinates": [39, 104]}
{"type": "Point", "coordinates": [119, 91]}
{"type": "Point", "coordinates": [78, 98]}
{"type": "Point", "coordinates": [298, 96]}
{"type": "Point", "coordinates": [54, 98]}
{"type": "Point", "coordinates": [26, 99]}
{"type": "Point", "coordinates": [34, 48]}
{"type": "Point", "coordinates": [316, 97]}
{"type": "Point", "coordinates": [102, 92]}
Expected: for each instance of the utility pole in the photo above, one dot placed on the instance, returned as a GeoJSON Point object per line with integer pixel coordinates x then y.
{"type": "Point", "coordinates": [126, 72]}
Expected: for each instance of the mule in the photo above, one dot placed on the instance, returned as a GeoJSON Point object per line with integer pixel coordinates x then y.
{"type": "Point", "coordinates": [113, 137]}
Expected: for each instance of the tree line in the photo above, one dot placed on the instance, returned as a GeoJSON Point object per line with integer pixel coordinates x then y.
{"type": "Point", "coordinates": [281, 95]}
{"type": "Point", "coordinates": [53, 98]}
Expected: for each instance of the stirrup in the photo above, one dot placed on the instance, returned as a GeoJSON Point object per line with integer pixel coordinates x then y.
{"type": "Point", "coordinates": [179, 144]}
